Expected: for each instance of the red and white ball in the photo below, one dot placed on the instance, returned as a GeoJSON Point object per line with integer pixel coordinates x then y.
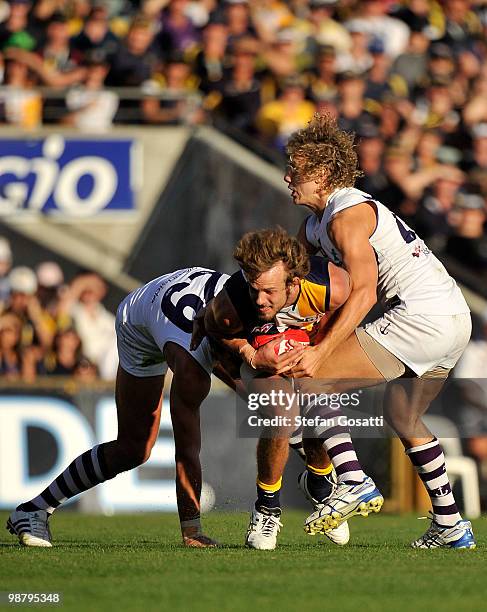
{"type": "Point", "coordinates": [296, 334]}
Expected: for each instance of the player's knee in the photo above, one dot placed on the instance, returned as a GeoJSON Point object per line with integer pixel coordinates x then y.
{"type": "Point", "coordinates": [192, 385]}
{"type": "Point", "coordinates": [403, 421]}
{"type": "Point", "coordinates": [132, 454]}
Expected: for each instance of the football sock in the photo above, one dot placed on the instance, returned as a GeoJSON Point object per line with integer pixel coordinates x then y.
{"type": "Point", "coordinates": [85, 472]}
{"type": "Point", "coordinates": [338, 444]}
{"type": "Point", "coordinates": [296, 443]}
{"type": "Point", "coordinates": [318, 481]}
{"type": "Point", "coordinates": [268, 496]}
{"type": "Point", "coordinates": [429, 461]}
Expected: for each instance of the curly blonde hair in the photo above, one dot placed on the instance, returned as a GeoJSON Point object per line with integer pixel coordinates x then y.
{"type": "Point", "coordinates": [325, 153]}
{"type": "Point", "coordinates": [257, 252]}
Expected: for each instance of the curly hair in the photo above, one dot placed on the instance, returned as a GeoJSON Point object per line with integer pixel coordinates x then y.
{"type": "Point", "coordinates": [325, 153]}
{"type": "Point", "coordinates": [257, 252]}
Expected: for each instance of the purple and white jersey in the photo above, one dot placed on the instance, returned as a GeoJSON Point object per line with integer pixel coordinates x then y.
{"type": "Point", "coordinates": [407, 268]}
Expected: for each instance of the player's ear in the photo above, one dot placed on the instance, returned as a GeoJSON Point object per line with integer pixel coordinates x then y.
{"type": "Point", "coordinates": [296, 281]}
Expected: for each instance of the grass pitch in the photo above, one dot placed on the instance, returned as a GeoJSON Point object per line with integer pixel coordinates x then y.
{"type": "Point", "coordinates": [136, 562]}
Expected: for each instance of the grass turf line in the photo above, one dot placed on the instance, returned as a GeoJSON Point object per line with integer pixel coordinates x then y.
{"type": "Point", "coordinates": [136, 562]}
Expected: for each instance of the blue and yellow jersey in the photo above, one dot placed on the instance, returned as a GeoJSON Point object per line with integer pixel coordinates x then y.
{"type": "Point", "coordinates": [312, 303]}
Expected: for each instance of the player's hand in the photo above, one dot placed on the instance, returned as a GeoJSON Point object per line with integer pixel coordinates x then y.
{"type": "Point", "coordinates": [266, 358]}
{"type": "Point", "coordinates": [309, 364]}
{"type": "Point", "coordinates": [199, 331]}
{"type": "Point", "coordinates": [200, 541]}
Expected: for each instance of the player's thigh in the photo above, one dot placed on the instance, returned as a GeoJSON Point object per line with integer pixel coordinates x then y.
{"type": "Point", "coordinates": [350, 361]}
{"type": "Point", "coordinates": [139, 401]}
{"type": "Point", "coordinates": [191, 380]}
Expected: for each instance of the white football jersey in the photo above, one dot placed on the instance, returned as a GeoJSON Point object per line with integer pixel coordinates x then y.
{"type": "Point", "coordinates": [176, 297]}
{"type": "Point", "coordinates": [407, 268]}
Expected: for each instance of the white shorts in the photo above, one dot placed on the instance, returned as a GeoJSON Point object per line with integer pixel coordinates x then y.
{"type": "Point", "coordinates": [141, 349]}
{"type": "Point", "coordinates": [422, 342]}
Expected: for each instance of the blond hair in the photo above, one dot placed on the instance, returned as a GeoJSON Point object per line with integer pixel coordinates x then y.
{"type": "Point", "coordinates": [325, 153]}
{"type": "Point", "coordinates": [257, 252]}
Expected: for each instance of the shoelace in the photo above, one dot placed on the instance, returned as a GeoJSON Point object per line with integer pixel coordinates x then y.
{"type": "Point", "coordinates": [432, 533]}
{"type": "Point", "coordinates": [269, 524]}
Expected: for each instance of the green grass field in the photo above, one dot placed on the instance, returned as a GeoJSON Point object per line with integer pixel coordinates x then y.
{"type": "Point", "coordinates": [136, 562]}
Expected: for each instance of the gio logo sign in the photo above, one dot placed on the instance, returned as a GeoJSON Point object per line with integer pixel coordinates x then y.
{"type": "Point", "coordinates": [72, 434]}
{"type": "Point", "coordinates": [79, 178]}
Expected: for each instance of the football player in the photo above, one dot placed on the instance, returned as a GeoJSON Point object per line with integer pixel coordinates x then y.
{"type": "Point", "coordinates": [153, 325]}
{"type": "Point", "coordinates": [278, 287]}
{"type": "Point", "coordinates": [424, 330]}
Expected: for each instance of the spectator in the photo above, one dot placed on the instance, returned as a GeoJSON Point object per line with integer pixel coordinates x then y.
{"type": "Point", "coordinates": [211, 60]}
{"type": "Point", "coordinates": [469, 243]}
{"type": "Point", "coordinates": [95, 35]}
{"type": "Point", "coordinates": [92, 108]}
{"type": "Point", "coordinates": [135, 59]}
{"type": "Point", "coordinates": [436, 218]}
{"type": "Point", "coordinates": [291, 111]}
{"type": "Point", "coordinates": [476, 163]}
{"type": "Point", "coordinates": [56, 51]}
{"type": "Point", "coordinates": [92, 321]}
{"type": "Point", "coordinates": [241, 91]}
{"type": "Point", "coordinates": [370, 154]}
{"type": "Point", "coordinates": [10, 346]}
{"type": "Point", "coordinates": [412, 65]}
{"type": "Point", "coordinates": [17, 30]}
{"type": "Point", "coordinates": [377, 84]}
{"type": "Point", "coordinates": [358, 58]}
{"type": "Point", "coordinates": [374, 21]}
{"type": "Point", "coordinates": [65, 356]}
{"type": "Point", "coordinates": [5, 265]}
{"type": "Point", "coordinates": [22, 104]}
{"type": "Point", "coordinates": [324, 30]}
{"type": "Point", "coordinates": [178, 33]}
{"type": "Point", "coordinates": [182, 104]}
{"type": "Point", "coordinates": [238, 20]}
{"type": "Point", "coordinates": [323, 80]}
{"type": "Point", "coordinates": [352, 115]}
{"type": "Point", "coordinates": [23, 303]}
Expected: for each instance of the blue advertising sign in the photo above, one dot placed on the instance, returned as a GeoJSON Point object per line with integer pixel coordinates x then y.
{"type": "Point", "coordinates": [69, 176]}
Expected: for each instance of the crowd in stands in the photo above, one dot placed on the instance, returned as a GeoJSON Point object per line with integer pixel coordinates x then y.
{"type": "Point", "coordinates": [52, 328]}
{"type": "Point", "coordinates": [409, 78]}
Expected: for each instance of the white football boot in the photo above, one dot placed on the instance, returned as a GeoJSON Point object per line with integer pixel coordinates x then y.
{"type": "Point", "coordinates": [32, 528]}
{"type": "Point", "coordinates": [262, 530]}
{"type": "Point", "coordinates": [437, 536]}
{"type": "Point", "coordinates": [347, 500]}
{"type": "Point", "coordinates": [339, 535]}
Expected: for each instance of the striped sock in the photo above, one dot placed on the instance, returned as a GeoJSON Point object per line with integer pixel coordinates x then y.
{"type": "Point", "coordinates": [318, 481]}
{"type": "Point", "coordinates": [296, 442]}
{"type": "Point", "coordinates": [268, 496]}
{"type": "Point", "coordinates": [338, 444]}
{"type": "Point", "coordinates": [429, 461]}
{"type": "Point", "coordinates": [85, 472]}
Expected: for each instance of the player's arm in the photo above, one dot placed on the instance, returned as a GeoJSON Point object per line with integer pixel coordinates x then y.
{"type": "Point", "coordinates": [349, 231]}
{"type": "Point", "coordinates": [301, 236]}
{"type": "Point", "coordinates": [221, 321]}
{"type": "Point", "coordinates": [340, 286]}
